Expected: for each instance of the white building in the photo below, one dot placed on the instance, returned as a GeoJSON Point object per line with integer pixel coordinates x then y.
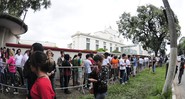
{"type": "Point", "coordinates": [135, 49]}
{"type": "Point", "coordinates": [108, 39]}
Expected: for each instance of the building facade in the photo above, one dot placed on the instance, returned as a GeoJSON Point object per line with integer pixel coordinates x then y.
{"type": "Point", "coordinates": [108, 39]}
{"type": "Point", "coordinates": [135, 49]}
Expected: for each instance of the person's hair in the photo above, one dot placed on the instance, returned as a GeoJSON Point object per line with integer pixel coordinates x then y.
{"type": "Point", "coordinates": [91, 55]}
{"type": "Point", "coordinates": [11, 53]}
{"type": "Point", "coordinates": [129, 56]}
{"type": "Point", "coordinates": [123, 55]}
{"type": "Point", "coordinates": [66, 57]}
{"type": "Point", "coordinates": [74, 56]}
{"type": "Point", "coordinates": [37, 47]}
{"type": "Point", "coordinates": [17, 51]}
{"type": "Point", "coordinates": [80, 54]}
{"type": "Point", "coordinates": [61, 52]}
{"type": "Point", "coordinates": [39, 60]}
{"type": "Point", "coordinates": [98, 58]}
{"type": "Point", "coordinates": [26, 51]}
{"type": "Point", "coordinates": [115, 57]}
{"type": "Point", "coordinates": [87, 56]}
{"type": "Point", "coordinates": [48, 52]}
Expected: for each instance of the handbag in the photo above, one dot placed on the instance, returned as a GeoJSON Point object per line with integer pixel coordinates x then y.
{"type": "Point", "coordinates": [91, 90]}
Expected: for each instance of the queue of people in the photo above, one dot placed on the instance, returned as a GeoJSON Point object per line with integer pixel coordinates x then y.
{"type": "Point", "coordinates": [38, 67]}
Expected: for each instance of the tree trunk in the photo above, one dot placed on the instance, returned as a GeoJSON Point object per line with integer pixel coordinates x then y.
{"type": "Point", "coordinates": [173, 48]}
{"type": "Point", "coordinates": [156, 52]}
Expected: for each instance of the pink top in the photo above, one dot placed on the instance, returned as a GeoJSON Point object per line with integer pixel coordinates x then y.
{"type": "Point", "coordinates": [11, 64]}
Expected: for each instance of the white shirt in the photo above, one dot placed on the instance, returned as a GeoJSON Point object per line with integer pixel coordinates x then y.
{"type": "Point", "coordinates": [24, 59]}
{"type": "Point", "coordinates": [87, 64]}
{"type": "Point", "coordinates": [146, 59]}
{"type": "Point", "coordinates": [18, 59]}
{"type": "Point", "coordinates": [122, 64]}
{"type": "Point", "coordinates": [128, 63]}
{"type": "Point", "coordinates": [105, 61]}
{"type": "Point", "coordinates": [141, 61]}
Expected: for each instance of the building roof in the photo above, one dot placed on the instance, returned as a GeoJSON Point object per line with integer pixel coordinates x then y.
{"type": "Point", "coordinates": [47, 47]}
{"type": "Point", "coordinates": [16, 25]}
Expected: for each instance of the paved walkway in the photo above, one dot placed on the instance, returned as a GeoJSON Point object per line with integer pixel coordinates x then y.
{"type": "Point", "coordinates": [179, 88]}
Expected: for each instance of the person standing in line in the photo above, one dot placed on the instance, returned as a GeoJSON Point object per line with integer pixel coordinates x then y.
{"type": "Point", "coordinates": [122, 69]}
{"type": "Point", "coordinates": [42, 88]}
{"type": "Point", "coordinates": [141, 61]}
{"type": "Point", "coordinates": [181, 71]}
{"type": "Point", "coordinates": [87, 66]}
{"type": "Point", "coordinates": [115, 63]}
{"type": "Point", "coordinates": [12, 68]}
{"type": "Point", "coordinates": [106, 62]}
{"type": "Point", "coordinates": [91, 58]}
{"type": "Point", "coordinates": [18, 60]}
{"type": "Point", "coordinates": [28, 74]}
{"type": "Point", "coordinates": [154, 64]}
{"type": "Point", "coordinates": [25, 57]}
{"type": "Point", "coordinates": [99, 78]}
{"type": "Point", "coordinates": [59, 63]}
{"type": "Point", "coordinates": [135, 64]}
{"type": "Point", "coordinates": [52, 67]}
{"type": "Point", "coordinates": [67, 72]}
{"type": "Point", "coordinates": [75, 71]}
{"type": "Point", "coordinates": [128, 67]}
{"type": "Point", "coordinates": [80, 63]}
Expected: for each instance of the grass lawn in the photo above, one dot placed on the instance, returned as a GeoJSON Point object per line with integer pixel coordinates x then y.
{"type": "Point", "coordinates": [146, 85]}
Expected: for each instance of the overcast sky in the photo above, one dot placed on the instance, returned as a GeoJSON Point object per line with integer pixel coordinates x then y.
{"type": "Point", "coordinates": [65, 17]}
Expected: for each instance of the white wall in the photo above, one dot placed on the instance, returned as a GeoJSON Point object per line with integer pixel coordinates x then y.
{"type": "Point", "coordinates": [80, 43]}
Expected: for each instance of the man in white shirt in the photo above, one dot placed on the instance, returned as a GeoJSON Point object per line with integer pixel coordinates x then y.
{"type": "Point", "coordinates": [18, 60]}
{"type": "Point", "coordinates": [122, 63]}
{"type": "Point", "coordinates": [87, 65]}
{"type": "Point", "coordinates": [128, 66]}
{"type": "Point", "coordinates": [25, 57]}
{"type": "Point", "coordinates": [141, 61]}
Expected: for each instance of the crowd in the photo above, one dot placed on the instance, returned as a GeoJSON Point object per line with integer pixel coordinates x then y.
{"type": "Point", "coordinates": [39, 68]}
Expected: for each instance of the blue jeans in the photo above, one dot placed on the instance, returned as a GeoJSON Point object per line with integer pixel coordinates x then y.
{"type": "Point", "coordinates": [100, 96]}
{"type": "Point", "coordinates": [122, 76]}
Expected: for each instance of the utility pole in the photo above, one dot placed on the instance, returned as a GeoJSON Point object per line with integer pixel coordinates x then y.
{"type": "Point", "coordinates": [173, 48]}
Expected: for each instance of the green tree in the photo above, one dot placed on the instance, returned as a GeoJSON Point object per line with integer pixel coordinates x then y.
{"type": "Point", "coordinates": [148, 27]}
{"type": "Point", "coordinates": [181, 48]}
{"type": "Point", "coordinates": [101, 50]}
{"type": "Point", "coordinates": [115, 51]}
{"type": "Point", "coordinates": [18, 7]}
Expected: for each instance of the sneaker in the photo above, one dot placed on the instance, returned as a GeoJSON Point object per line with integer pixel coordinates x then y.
{"type": "Point", "coordinates": [126, 82]}
{"type": "Point", "coordinates": [123, 83]}
{"type": "Point", "coordinates": [7, 90]}
{"type": "Point", "coordinates": [15, 93]}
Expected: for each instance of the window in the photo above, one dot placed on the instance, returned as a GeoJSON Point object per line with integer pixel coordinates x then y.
{"type": "Point", "coordinates": [117, 48]}
{"type": "Point", "coordinates": [87, 43]}
{"type": "Point", "coordinates": [121, 49]}
{"type": "Point", "coordinates": [97, 44]}
{"type": "Point", "coordinates": [104, 45]}
{"type": "Point", "coordinates": [110, 47]}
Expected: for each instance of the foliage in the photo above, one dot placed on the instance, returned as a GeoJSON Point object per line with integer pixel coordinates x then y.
{"type": "Point", "coordinates": [145, 85]}
{"type": "Point", "coordinates": [181, 48]}
{"type": "Point", "coordinates": [18, 7]}
{"type": "Point", "coordinates": [115, 51]}
{"type": "Point", "coordinates": [149, 27]}
{"type": "Point", "coordinates": [101, 50]}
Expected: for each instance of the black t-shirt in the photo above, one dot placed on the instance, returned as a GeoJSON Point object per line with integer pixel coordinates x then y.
{"type": "Point", "coordinates": [102, 78]}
